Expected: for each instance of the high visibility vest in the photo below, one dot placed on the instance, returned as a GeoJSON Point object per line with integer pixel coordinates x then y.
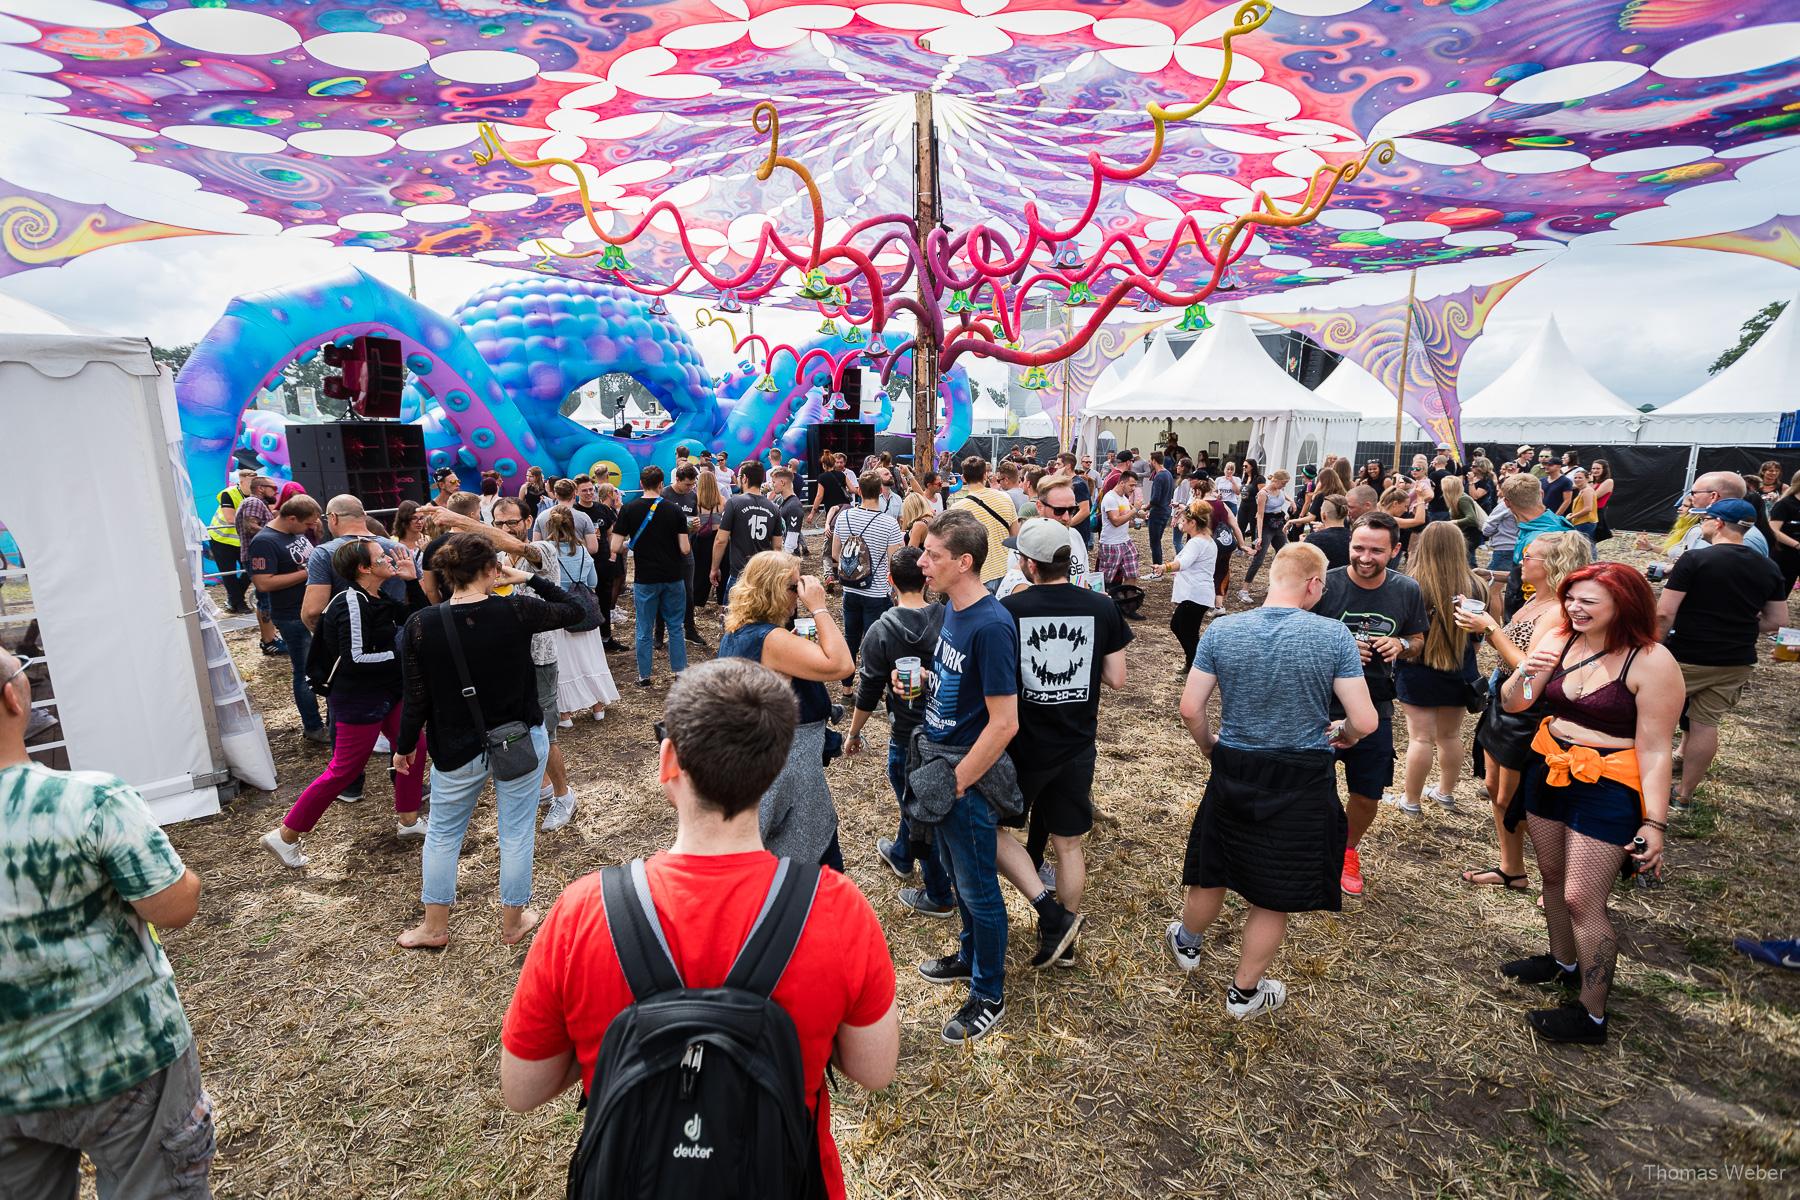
{"type": "Point", "coordinates": [224, 529]}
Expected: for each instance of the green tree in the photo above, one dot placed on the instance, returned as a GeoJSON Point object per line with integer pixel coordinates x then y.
{"type": "Point", "coordinates": [174, 357]}
{"type": "Point", "coordinates": [1753, 329]}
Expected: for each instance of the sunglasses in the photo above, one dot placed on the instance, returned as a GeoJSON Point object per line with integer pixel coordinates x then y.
{"type": "Point", "coordinates": [1062, 510]}
{"type": "Point", "coordinates": [25, 663]}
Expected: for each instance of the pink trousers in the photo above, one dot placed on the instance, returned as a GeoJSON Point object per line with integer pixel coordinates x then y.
{"type": "Point", "coordinates": [349, 755]}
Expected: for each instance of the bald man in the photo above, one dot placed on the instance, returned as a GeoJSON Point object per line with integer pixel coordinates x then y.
{"type": "Point", "coordinates": [1719, 485]}
{"type": "Point", "coordinates": [345, 519]}
{"type": "Point", "coordinates": [96, 1056]}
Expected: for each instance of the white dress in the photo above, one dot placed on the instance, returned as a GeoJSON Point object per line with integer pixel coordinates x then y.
{"type": "Point", "coordinates": [583, 678]}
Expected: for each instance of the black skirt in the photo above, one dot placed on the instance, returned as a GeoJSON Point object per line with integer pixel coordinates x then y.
{"type": "Point", "coordinates": [1271, 828]}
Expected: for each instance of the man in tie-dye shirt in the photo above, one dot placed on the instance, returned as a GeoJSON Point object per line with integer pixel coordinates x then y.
{"type": "Point", "coordinates": [95, 1052]}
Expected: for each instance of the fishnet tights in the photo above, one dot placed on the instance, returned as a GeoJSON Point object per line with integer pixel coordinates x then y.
{"type": "Point", "coordinates": [1578, 873]}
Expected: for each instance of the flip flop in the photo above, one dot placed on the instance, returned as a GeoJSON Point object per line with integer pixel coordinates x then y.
{"type": "Point", "coordinates": [1512, 883]}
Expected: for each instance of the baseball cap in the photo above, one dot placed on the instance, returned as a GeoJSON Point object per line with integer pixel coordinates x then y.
{"type": "Point", "coordinates": [1040, 539]}
{"type": "Point", "coordinates": [1733, 512]}
{"type": "Point", "coordinates": [442, 473]}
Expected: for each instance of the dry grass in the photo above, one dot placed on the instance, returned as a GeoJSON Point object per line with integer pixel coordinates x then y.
{"type": "Point", "coordinates": [344, 1067]}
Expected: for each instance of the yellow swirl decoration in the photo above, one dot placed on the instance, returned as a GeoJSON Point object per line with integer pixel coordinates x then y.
{"type": "Point", "coordinates": [29, 232]}
{"type": "Point", "coordinates": [707, 316]}
{"type": "Point", "coordinates": [765, 119]}
{"type": "Point", "coordinates": [1250, 16]}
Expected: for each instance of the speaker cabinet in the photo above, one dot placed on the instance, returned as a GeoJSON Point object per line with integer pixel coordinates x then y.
{"type": "Point", "coordinates": [379, 462]}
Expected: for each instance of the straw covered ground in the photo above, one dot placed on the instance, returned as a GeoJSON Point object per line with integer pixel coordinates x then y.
{"type": "Point", "coordinates": [344, 1067]}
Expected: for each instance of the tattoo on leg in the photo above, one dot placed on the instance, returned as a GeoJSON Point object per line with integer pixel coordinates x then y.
{"type": "Point", "coordinates": [1600, 974]}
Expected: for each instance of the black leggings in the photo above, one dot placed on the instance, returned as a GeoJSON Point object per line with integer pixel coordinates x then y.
{"type": "Point", "coordinates": [1185, 625]}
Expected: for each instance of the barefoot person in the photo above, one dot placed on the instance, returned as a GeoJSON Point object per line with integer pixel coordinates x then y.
{"type": "Point", "coordinates": [494, 633]}
{"type": "Point", "coordinates": [1278, 742]}
{"type": "Point", "coordinates": [1597, 780]}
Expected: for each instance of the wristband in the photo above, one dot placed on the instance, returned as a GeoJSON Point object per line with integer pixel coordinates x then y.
{"type": "Point", "coordinates": [1659, 826]}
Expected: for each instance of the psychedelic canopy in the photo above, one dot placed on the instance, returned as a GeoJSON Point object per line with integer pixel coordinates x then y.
{"type": "Point", "coordinates": [1518, 125]}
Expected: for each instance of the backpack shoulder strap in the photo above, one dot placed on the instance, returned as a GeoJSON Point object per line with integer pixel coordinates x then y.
{"type": "Point", "coordinates": [760, 964]}
{"type": "Point", "coordinates": [637, 932]}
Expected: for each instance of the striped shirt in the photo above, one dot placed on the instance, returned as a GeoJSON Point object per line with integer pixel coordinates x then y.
{"type": "Point", "coordinates": [881, 534]}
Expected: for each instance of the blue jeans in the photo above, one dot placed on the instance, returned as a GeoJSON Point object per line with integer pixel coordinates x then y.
{"type": "Point", "coordinates": [665, 600]}
{"type": "Point", "coordinates": [453, 797]}
{"type": "Point", "coordinates": [931, 870]}
{"type": "Point", "coordinates": [298, 639]}
{"type": "Point", "coordinates": [966, 846]}
{"type": "Point", "coordinates": [1501, 561]}
{"type": "Point", "coordinates": [1178, 537]}
{"type": "Point", "coordinates": [1154, 526]}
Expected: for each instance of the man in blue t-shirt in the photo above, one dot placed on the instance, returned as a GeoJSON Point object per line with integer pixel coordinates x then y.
{"type": "Point", "coordinates": [975, 704]}
{"type": "Point", "coordinates": [1269, 826]}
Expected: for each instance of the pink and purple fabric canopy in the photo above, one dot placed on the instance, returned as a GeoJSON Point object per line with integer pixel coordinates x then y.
{"type": "Point", "coordinates": [1519, 124]}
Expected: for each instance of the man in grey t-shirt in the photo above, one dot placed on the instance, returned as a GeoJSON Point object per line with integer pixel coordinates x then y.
{"type": "Point", "coordinates": [1269, 826]}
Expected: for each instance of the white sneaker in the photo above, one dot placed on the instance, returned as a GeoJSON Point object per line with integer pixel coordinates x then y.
{"type": "Point", "coordinates": [562, 808]}
{"type": "Point", "coordinates": [415, 830]}
{"type": "Point", "coordinates": [565, 722]}
{"type": "Point", "coordinates": [1400, 802]}
{"type": "Point", "coordinates": [1186, 957]}
{"type": "Point", "coordinates": [1244, 595]}
{"type": "Point", "coordinates": [600, 715]}
{"type": "Point", "coordinates": [289, 854]}
{"type": "Point", "coordinates": [1447, 803]}
{"type": "Point", "coordinates": [1271, 994]}
{"type": "Point", "coordinates": [382, 745]}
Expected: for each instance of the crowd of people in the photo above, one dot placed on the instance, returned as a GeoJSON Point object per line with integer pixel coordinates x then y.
{"type": "Point", "coordinates": [985, 609]}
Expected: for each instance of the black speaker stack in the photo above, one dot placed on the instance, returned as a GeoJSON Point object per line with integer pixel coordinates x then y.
{"type": "Point", "coordinates": [853, 439]}
{"type": "Point", "coordinates": [379, 462]}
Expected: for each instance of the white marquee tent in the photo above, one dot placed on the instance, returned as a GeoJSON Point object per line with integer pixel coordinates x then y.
{"type": "Point", "coordinates": [1350, 386]}
{"type": "Point", "coordinates": [1742, 405]}
{"type": "Point", "coordinates": [1227, 389]}
{"type": "Point", "coordinates": [1546, 397]}
{"type": "Point", "coordinates": [134, 668]}
{"type": "Point", "coordinates": [1157, 357]}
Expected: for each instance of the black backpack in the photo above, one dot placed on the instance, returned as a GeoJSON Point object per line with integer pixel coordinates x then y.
{"type": "Point", "coordinates": [700, 1091]}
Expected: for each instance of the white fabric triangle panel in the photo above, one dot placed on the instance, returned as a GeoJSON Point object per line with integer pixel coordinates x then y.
{"type": "Point", "coordinates": [1226, 375]}
{"type": "Point", "coordinates": [1546, 383]}
{"type": "Point", "coordinates": [1764, 381]}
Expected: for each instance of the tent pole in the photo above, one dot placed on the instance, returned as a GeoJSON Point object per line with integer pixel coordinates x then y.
{"type": "Point", "coordinates": [925, 347]}
{"type": "Point", "coordinates": [1063, 436]}
{"type": "Point", "coordinates": [1405, 362]}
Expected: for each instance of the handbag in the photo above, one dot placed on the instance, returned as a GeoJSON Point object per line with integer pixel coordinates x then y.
{"type": "Point", "coordinates": [581, 593]}
{"type": "Point", "coordinates": [508, 747]}
{"type": "Point", "coordinates": [1475, 693]}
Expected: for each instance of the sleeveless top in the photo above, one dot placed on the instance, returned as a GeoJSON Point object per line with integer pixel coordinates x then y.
{"type": "Point", "coordinates": [1610, 709]}
{"type": "Point", "coordinates": [815, 701]}
{"type": "Point", "coordinates": [1583, 510]}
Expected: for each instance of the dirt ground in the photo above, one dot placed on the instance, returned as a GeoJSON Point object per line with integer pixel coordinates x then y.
{"type": "Point", "coordinates": [342, 1066]}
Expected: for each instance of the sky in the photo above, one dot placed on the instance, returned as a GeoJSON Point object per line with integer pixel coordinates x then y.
{"type": "Point", "coordinates": [1645, 320]}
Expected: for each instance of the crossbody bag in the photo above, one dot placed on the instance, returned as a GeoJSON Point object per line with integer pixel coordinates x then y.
{"type": "Point", "coordinates": [508, 747]}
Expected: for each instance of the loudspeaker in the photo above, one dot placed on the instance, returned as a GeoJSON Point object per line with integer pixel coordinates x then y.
{"type": "Point", "coordinates": [379, 462]}
{"type": "Point", "coordinates": [853, 439]}
{"type": "Point", "coordinates": [371, 374]}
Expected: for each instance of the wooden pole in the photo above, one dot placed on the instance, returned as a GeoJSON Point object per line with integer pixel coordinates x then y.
{"type": "Point", "coordinates": [925, 347]}
{"type": "Point", "coordinates": [1405, 363]}
{"type": "Point", "coordinates": [1068, 365]}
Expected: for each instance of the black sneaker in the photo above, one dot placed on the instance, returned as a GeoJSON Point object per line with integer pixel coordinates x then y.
{"type": "Point", "coordinates": [1066, 959]}
{"type": "Point", "coordinates": [1056, 933]}
{"type": "Point", "coordinates": [643, 683]}
{"type": "Point", "coordinates": [694, 639]}
{"type": "Point", "coordinates": [613, 646]}
{"type": "Point", "coordinates": [974, 1020]}
{"type": "Point", "coordinates": [949, 969]}
{"type": "Point", "coordinates": [919, 902]}
{"type": "Point", "coordinates": [1541, 968]}
{"type": "Point", "coordinates": [1568, 1023]}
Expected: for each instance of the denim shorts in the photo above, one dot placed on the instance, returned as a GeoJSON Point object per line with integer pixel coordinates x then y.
{"type": "Point", "coordinates": [1369, 764]}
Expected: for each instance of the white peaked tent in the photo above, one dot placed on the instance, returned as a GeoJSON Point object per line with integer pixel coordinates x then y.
{"type": "Point", "coordinates": [136, 673]}
{"type": "Point", "coordinates": [1742, 405]}
{"type": "Point", "coordinates": [1158, 356]}
{"type": "Point", "coordinates": [1350, 386]}
{"type": "Point", "coordinates": [987, 416]}
{"type": "Point", "coordinates": [1546, 397]}
{"type": "Point", "coordinates": [1227, 389]}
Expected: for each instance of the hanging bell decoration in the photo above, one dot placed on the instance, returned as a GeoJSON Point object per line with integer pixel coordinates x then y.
{"type": "Point", "coordinates": [1066, 258]}
{"type": "Point", "coordinates": [1035, 380]}
{"type": "Point", "coordinates": [1079, 294]}
{"type": "Point", "coordinates": [1194, 319]}
{"type": "Point", "coordinates": [854, 336]}
{"type": "Point", "coordinates": [878, 347]}
{"type": "Point", "coordinates": [767, 384]}
{"type": "Point", "coordinates": [613, 259]}
{"type": "Point", "coordinates": [828, 328]}
{"type": "Point", "coordinates": [728, 302]}
{"type": "Point", "coordinates": [1149, 304]}
{"type": "Point", "coordinates": [839, 296]}
{"type": "Point", "coordinates": [959, 302]}
{"type": "Point", "coordinates": [658, 308]}
{"type": "Point", "coordinates": [984, 303]}
{"type": "Point", "coordinates": [838, 403]}
{"type": "Point", "coordinates": [815, 287]}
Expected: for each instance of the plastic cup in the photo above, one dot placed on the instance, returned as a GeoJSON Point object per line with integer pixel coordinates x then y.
{"type": "Point", "coordinates": [807, 628]}
{"type": "Point", "coordinates": [912, 676]}
{"type": "Point", "coordinates": [1471, 605]}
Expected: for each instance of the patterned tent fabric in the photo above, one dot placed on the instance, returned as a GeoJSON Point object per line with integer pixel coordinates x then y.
{"type": "Point", "coordinates": [1519, 124]}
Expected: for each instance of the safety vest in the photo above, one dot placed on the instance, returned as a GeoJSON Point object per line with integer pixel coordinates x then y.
{"type": "Point", "coordinates": [222, 530]}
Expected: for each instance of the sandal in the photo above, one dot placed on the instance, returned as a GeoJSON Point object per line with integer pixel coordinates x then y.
{"type": "Point", "coordinates": [1512, 883]}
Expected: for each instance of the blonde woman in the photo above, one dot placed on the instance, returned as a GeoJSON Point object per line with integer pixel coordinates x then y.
{"type": "Point", "coordinates": [1434, 690]}
{"type": "Point", "coordinates": [1584, 511]}
{"type": "Point", "coordinates": [1505, 738]}
{"type": "Point", "coordinates": [703, 527]}
{"type": "Point", "coordinates": [915, 515]}
{"type": "Point", "coordinates": [1272, 510]}
{"type": "Point", "coordinates": [584, 681]}
{"type": "Point", "coordinates": [1464, 513]}
{"type": "Point", "coordinates": [797, 817]}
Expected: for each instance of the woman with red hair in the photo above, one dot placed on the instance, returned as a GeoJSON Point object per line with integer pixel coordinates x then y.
{"type": "Point", "coordinates": [1596, 785]}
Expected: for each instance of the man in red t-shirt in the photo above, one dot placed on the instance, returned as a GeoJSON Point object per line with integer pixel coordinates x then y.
{"type": "Point", "coordinates": [728, 725]}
